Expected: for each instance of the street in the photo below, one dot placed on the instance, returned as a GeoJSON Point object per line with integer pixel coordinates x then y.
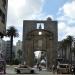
{"type": "Point", "coordinates": [10, 71]}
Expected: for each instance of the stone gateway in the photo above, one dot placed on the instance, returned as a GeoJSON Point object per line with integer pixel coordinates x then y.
{"type": "Point", "coordinates": [40, 35]}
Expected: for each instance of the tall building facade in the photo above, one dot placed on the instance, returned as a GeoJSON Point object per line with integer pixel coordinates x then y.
{"type": "Point", "coordinates": [8, 52]}
{"type": "Point", "coordinates": [2, 47]}
{"type": "Point", "coordinates": [3, 17]}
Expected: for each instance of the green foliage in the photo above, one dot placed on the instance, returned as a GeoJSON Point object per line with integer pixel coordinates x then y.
{"type": "Point", "coordinates": [67, 43]}
{"type": "Point", "coordinates": [19, 52]}
{"type": "Point", "coordinates": [16, 62]}
{"type": "Point", "coordinates": [11, 32]}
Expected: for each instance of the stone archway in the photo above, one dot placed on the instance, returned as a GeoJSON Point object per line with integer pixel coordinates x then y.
{"type": "Point", "coordinates": [40, 39]}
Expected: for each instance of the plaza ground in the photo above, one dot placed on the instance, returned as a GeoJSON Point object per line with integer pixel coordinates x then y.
{"type": "Point", "coordinates": [10, 71]}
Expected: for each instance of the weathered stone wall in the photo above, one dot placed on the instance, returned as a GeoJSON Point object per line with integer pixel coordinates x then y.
{"type": "Point", "coordinates": [49, 45]}
{"type": "Point", "coordinates": [3, 16]}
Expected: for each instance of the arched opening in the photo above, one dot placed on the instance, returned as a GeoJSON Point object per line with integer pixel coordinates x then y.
{"type": "Point", "coordinates": [40, 59]}
{"type": "Point", "coordinates": [40, 35]}
{"type": "Point", "coordinates": [39, 40]}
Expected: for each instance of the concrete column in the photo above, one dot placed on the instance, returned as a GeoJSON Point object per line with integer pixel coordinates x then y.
{"type": "Point", "coordinates": [30, 57]}
{"type": "Point", "coordinates": [49, 54]}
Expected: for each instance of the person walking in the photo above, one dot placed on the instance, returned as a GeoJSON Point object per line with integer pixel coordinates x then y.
{"type": "Point", "coordinates": [74, 70]}
{"type": "Point", "coordinates": [53, 68]}
{"type": "Point", "coordinates": [40, 68]}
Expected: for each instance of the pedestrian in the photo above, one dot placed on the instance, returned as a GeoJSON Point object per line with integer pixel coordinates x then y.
{"type": "Point", "coordinates": [53, 69]}
{"type": "Point", "coordinates": [74, 70]}
{"type": "Point", "coordinates": [50, 68]}
{"type": "Point", "coordinates": [40, 68]}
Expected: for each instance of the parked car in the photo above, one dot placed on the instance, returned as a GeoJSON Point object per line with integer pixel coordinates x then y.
{"type": "Point", "coordinates": [63, 68]}
{"type": "Point", "coordinates": [24, 69]}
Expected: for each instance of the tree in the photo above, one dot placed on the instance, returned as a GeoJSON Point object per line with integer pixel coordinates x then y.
{"type": "Point", "coordinates": [64, 47]}
{"type": "Point", "coordinates": [19, 54]}
{"type": "Point", "coordinates": [11, 32]}
{"type": "Point", "coordinates": [69, 41]}
{"type": "Point", "coordinates": [74, 51]}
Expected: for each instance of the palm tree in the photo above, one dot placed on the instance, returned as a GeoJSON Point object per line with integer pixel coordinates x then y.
{"type": "Point", "coordinates": [69, 41]}
{"type": "Point", "coordinates": [11, 32]}
{"type": "Point", "coordinates": [74, 51]}
{"type": "Point", "coordinates": [64, 47]}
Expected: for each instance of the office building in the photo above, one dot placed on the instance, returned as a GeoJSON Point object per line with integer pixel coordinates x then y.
{"type": "Point", "coordinates": [3, 17]}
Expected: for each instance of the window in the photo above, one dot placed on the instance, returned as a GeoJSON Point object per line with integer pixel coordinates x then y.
{"type": "Point", "coordinates": [4, 3]}
{"type": "Point", "coordinates": [39, 43]}
{"type": "Point", "coordinates": [64, 66]}
{"type": "Point", "coordinates": [0, 12]}
{"type": "Point", "coordinates": [2, 16]}
{"type": "Point", "coordinates": [40, 25]}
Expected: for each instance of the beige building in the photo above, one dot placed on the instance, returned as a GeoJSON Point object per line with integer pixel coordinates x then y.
{"type": "Point", "coordinates": [3, 16]}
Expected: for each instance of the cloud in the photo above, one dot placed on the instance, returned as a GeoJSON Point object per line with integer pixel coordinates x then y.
{"type": "Point", "coordinates": [66, 20]}
{"type": "Point", "coordinates": [65, 30]}
{"type": "Point", "coordinates": [19, 10]}
{"type": "Point", "coordinates": [69, 9]}
{"type": "Point", "coordinates": [24, 8]}
{"type": "Point", "coordinates": [61, 26]}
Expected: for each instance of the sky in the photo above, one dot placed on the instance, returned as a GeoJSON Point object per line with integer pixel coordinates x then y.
{"type": "Point", "coordinates": [61, 10]}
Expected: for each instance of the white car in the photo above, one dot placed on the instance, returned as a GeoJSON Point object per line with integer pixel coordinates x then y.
{"type": "Point", "coordinates": [24, 69]}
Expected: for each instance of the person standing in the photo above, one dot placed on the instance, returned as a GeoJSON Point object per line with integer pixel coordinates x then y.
{"type": "Point", "coordinates": [74, 70]}
{"type": "Point", "coordinates": [53, 68]}
{"type": "Point", "coordinates": [40, 68]}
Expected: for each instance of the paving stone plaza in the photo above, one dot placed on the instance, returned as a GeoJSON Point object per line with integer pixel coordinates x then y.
{"type": "Point", "coordinates": [10, 71]}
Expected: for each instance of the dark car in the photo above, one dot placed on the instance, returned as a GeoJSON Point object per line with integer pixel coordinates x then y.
{"type": "Point", "coordinates": [63, 68]}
